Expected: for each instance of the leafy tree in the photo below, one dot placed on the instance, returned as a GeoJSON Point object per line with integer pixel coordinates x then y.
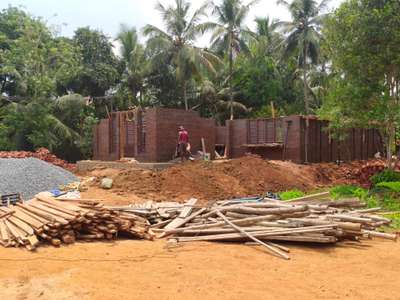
{"type": "Point", "coordinates": [100, 68]}
{"type": "Point", "coordinates": [134, 63]}
{"type": "Point", "coordinates": [214, 101]}
{"type": "Point", "coordinates": [176, 44]}
{"type": "Point", "coordinates": [229, 33]}
{"type": "Point", "coordinates": [34, 63]}
{"type": "Point", "coordinates": [35, 126]}
{"type": "Point", "coordinates": [304, 36]}
{"type": "Point", "coordinates": [363, 36]}
{"type": "Point", "coordinates": [257, 77]}
{"type": "Point", "coordinates": [268, 38]}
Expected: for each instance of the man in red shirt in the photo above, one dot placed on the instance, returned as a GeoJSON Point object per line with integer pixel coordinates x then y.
{"type": "Point", "coordinates": [183, 143]}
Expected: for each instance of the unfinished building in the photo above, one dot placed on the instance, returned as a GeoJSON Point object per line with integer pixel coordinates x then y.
{"type": "Point", "coordinates": [150, 135]}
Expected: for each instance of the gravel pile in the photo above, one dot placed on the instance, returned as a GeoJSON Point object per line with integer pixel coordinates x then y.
{"type": "Point", "coordinates": [30, 176]}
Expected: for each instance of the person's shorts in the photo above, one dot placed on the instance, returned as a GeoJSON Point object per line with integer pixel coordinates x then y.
{"type": "Point", "coordinates": [182, 149]}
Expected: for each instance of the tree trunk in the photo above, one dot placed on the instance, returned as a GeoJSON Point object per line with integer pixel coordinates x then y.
{"type": "Point", "coordinates": [306, 100]}
{"type": "Point", "coordinates": [185, 95]}
{"type": "Point", "coordinates": [389, 144]}
{"type": "Point", "coordinates": [230, 78]}
{"type": "Point", "coordinates": [306, 103]}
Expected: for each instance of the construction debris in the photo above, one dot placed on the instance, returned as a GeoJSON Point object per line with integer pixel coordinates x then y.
{"type": "Point", "coordinates": [55, 222]}
{"type": "Point", "coordinates": [254, 221]}
{"type": "Point", "coordinates": [311, 219]}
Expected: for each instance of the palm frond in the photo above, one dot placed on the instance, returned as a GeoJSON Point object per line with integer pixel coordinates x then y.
{"type": "Point", "coordinates": [323, 5]}
{"type": "Point", "coordinates": [61, 130]}
{"type": "Point", "coordinates": [150, 30]}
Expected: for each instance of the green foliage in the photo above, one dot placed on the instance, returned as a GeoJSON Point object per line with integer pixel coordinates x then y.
{"type": "Point", "coordinates": [386, 175]}
{"type": "Point", "coordinates": [100, 68]}
{"type": "Point", "coordinates": [5, 142]}
{"type": "Point", "coordinates": [343, 191]}
{"type": "Point", "coordinates": [175, 45]}
{"type": "Point", "coordinates": [291, 194]}
{"type": "Point", "coordinates": [86, 144]}
{"type": "Point", "coordinates": [34, 63]}
{"type": "Point", "coordinates": [395, 220]}
{"type": "Point", "coordinates": [230, 37]}
{"type": "Point", "coordinates": [387, 201]}
{"type": "Point", "coordinates": [304, 37]}
{"type": "Point", "coordinates": [363, 38]}
{"type": "Point", "coordinates": [135, 65]}
{"type": "Point", "coordinates": [258, 80]}
{"type": "Point", "coordinates": [392, 186]}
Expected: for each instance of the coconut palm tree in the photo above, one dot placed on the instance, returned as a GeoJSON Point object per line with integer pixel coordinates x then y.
{"type": "Point", "coordinates": [266, 29]}
{"type": "Point", "coordinates": [176, 43]}
{"type": "Point", "coordinates": [229, 34]}
{"type": "Point", "coordinates": [134, 61]}
{"type": "Point", "coordinates": [216, 101]}
{"type": "Point", "coordinates": [303, 35]}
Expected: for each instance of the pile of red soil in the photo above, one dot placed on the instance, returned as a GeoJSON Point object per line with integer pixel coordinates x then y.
{"type": "Point", "coordinates": [42, 153]}
{"type": "Point", "coordinates": [249, 175]}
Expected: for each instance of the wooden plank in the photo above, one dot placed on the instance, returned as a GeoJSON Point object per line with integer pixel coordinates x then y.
{"type": "Point", "coordinates": [59, 208]}
{"type": "Point", "coordinates": [4, 232]}
{"type": "Point", "coordinates": [318, 196]}
{"type": "Point", "coordinates": [182, 218]}
{"type": "Point", "coordinates": [22, 225]}
{"type": "Point", "coordinates": [18, 235]}
{"type": "Point", "coordinates": [32, 215]}
{"type": "Point", "coordinates": [203, 146]}
{"type": "Point", "coordinates": [28, 219]}
{"type": "Point", "coordinates": [43, 214]}
{"type": "Point", "coordinates": [51, 211]}
{"type": "Point", "coordinates": [260, 234]}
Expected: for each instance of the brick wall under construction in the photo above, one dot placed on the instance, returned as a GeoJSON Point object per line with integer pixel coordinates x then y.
{"type": "Point", "coordinates": [299, 139]}
{"type": "Point", "coordinates": [150, 134]}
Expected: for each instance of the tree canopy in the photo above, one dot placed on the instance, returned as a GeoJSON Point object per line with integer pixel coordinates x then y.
{"type": "Point", "coordinates": [343, 65]}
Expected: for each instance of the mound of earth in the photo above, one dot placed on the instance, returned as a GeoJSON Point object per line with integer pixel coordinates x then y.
{"type": "Point", "coordinates": [249, 175]}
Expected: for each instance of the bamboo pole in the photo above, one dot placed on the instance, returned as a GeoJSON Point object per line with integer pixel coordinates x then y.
{"type": "Point", "coordinates": [270, 248]}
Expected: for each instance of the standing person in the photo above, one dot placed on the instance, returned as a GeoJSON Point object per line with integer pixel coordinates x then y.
{"type": "Point", "coordinates": [183, 143]}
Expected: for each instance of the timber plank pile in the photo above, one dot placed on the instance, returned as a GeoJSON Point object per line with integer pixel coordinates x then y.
{"type": "Point", "coordinates": [266, 222]}
{"type": "Point", "coordinates": [45, 219]}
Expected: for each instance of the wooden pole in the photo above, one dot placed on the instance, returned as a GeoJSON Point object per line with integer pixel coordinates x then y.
{"type": "Point", "coordinates": [272, 109]}
{"type": "Point", "coordinates": [270, 248]}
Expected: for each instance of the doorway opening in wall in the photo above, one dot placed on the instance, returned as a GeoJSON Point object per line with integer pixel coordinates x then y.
{"type": "Point", "coordinates": [220, 151]}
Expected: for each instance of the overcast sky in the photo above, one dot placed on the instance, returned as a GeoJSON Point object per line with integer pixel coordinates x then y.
{"type": "Point", "coordinates": [107, 15]}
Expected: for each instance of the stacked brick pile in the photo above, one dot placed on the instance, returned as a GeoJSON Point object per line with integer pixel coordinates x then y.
{"type": "Point", "coordinates": [42, 154]}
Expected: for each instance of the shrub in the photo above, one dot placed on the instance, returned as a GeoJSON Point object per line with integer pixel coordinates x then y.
{"type": "Point", "coordinates": [385, 176]}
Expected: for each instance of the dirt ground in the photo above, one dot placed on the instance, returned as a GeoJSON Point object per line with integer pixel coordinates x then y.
{"type": "Point", "coordinates": [135, 269]}
{"type": "Point", "coordinates": [149, 270]}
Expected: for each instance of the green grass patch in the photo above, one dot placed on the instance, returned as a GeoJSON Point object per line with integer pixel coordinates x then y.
{"type": "Point", "coordinates": [343, 191]}
{"type": "Point", "coordinates": [291, 194]}
{"type": "Point", "coordinates": [393, 186]}
{"type": "Point", "coordinates": [395, 225]}
{"type": "Point", "coordinates": [385, 176]}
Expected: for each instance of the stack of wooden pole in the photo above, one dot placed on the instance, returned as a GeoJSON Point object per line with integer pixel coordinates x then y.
{"type": "Point", "coordinates": [47, 219]}
{"type": "Point", "coordinates": [269, 221]}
